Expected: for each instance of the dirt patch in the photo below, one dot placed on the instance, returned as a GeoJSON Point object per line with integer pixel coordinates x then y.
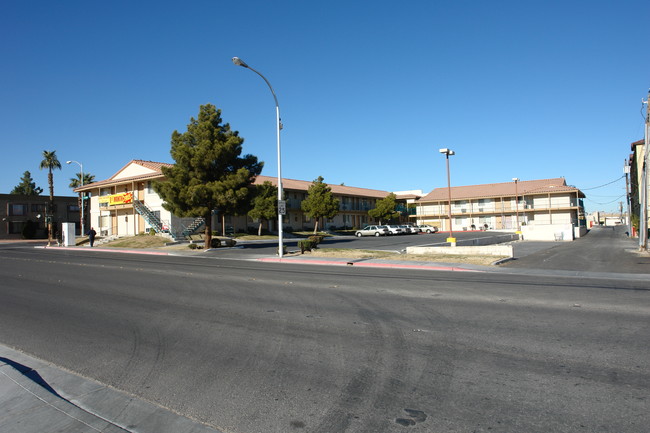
{"type": "Point", "coordinates": [143, 241]}
{"type": "Point", "coordinates": [370, 254]}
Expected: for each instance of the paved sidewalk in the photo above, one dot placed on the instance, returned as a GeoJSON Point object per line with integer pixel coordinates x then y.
{"type": "Point", "coordinates": [36, 397]}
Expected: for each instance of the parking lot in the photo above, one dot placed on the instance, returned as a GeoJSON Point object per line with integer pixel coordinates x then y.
{"type": "Point", "coordinates": [400, 242]}
{"type": "Point", "coordinates": [382, 243]}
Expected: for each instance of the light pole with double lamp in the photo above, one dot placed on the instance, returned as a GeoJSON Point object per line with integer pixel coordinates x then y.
{"type": "Point", "coordinates": [282, 206]}
{"type": "Point", "coordinates": [448, 152]}
{"type": "Point", "coordinates": [515, 180]}
{"type": "Point", "coordinates": [81, 179]}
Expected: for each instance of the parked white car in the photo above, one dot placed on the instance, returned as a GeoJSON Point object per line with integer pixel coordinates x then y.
{"type": "Point", "coordinates": [395, 230]}
{"type": "Point", "coordinates": [409, 230]}
{"type": "Point", "coordinates": [372, 231]}
{"type": "Point", "coordinates": [428, 229]}
{"type": "Point", "coordinates": [414, 229]}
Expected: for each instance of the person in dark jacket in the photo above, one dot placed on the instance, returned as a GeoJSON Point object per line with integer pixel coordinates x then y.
{"type": "Point", "coordinates": [91, 236]}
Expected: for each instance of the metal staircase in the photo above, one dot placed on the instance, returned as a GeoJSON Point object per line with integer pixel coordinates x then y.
{"type": "Point", "coordinates": [159, 227]}
{"type": "Point", "coordinates": [149, 216]}
{"type": "Point", "coordinates": [196, 225]}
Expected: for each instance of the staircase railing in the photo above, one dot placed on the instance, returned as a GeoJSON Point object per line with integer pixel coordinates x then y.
{"type": "Point", "coordinates": [194, 227]}
{"type": "Point", "coordinates": [149, 216]}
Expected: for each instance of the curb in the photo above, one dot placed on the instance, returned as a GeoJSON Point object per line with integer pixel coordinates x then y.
{"type": "Point", "coordinates": [367, 264]}
{"type": "Point", "coordinates": [106, 250]}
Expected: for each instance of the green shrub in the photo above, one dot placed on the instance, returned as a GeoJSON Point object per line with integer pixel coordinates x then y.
{"type": "Point", "coordinates": [193, 246]}
{"type": "Point", "coordinates": [316, 239]}
{"type": "Point", "coordinates": [152, 231]}
{"type": "Point", "coordinates": [306, 245]}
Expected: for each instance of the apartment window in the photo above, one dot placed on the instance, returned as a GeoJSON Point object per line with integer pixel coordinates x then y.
{"type": "Point", "coordinates": [150, 187]}
{"type": "Point", "coordinates": [17, 209]}
{"type": "Point", "coordinates": [38, 208]}
{"type": "Point", "coordinates": [73, 208]}
{"type": "Point", "coordinates": [15, 227]}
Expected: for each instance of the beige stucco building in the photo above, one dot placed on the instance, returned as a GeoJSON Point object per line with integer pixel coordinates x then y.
{"type": "Point", "coordinates": [126, 204]}
{"type": "Point", "coordinates": [504, 206]}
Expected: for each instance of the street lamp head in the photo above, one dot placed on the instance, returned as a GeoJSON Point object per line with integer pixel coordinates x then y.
{"type": "Point", "coordinates": [446, 151]}
{"type": "Point", "coordinates": [516, 179]}
{"type": "Point", "coordinates": [239, 62]}
{"type": "Point", "coordinates": [68, 162]}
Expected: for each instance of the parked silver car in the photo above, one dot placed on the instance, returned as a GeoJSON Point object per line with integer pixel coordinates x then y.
{"type": "Point", "coordinates": [372, 231]}
{"type": "Point", "coordinates": [395, 230]}
{"type": "Point", "coordinates": [414, 228]}
{"type": "Point", "coordinates": [407, 229]}
{"type": "Point", "coordinates": [428, 229]}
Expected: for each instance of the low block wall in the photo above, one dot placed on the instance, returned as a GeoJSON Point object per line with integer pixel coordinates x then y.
{"type": "Point", "coordinates": [548, 232]}
{"type": "Point", "coordinates": [485, 250]}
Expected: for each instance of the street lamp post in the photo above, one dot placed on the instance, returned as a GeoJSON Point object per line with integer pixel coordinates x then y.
{"type": "Point", "coordinates": [515, 180]}
{"type": "Point", "coordinates": [447, 152]}
{"type": "Point", "coordinates": [81, 179]}
{"type": "Point", "coordinates": [281, 204]}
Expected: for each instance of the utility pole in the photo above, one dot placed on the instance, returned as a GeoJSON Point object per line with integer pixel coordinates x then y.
{"type": "Point", "coordinates": [643, 217]}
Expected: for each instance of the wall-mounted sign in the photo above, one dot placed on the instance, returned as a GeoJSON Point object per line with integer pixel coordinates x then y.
{"type": "Point", "coordinates": [114, 199]}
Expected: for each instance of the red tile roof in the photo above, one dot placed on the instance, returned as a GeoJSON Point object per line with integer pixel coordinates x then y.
{"type": "Point", "coordinates": [303, 185]}
{"type": "Point", "coordinates": [292, 184]}
{"type": "Point", "coordinates": [506, 189]}
{"type": "Point", "coordinates": [155, 166]}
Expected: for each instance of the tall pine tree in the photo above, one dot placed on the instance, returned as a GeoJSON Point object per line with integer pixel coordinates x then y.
{"type": "Point", "coordinates": [27, 186]}
{"type": "Point", "coordinates": [209, 173]}
{"type": "Point", "coordinates": [385, 209]}
{"type": "Point", "coordinates": [264, 204]}
{"type": "Point", "coordinates": [320, 202]}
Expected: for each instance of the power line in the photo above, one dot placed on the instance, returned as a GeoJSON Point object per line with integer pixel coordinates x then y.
{"type": "Point", "coordinates": [609, 202]}
{"type": "Point", "coordinates": [609, 183]}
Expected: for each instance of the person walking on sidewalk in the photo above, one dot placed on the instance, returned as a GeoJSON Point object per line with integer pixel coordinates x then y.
{"type": "Point", "coordinates": [91, 236]}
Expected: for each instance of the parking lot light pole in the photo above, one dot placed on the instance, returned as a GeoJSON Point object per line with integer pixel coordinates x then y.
{"type": "Point", "coordinates": [281, 204]}
{"type": "Point", "coordinates": [447, 152]}
{"type": "Point", "coordinates": [81, 179]}
{"type": "Point", "coordinates": [515, 180]}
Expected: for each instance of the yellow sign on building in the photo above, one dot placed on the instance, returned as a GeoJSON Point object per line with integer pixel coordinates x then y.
{"type": "Point", "coordinates": [114, 199]}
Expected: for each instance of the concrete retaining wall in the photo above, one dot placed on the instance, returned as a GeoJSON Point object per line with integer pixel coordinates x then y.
{"type": "Point", "coordinates": [485, 250]}
{"type": "Point", "coordinates": [548, 232]}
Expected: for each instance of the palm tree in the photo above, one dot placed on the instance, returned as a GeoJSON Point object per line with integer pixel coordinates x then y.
{"type": "Point", "coordinates": [76, 182]}
{"type": "Point", "coordinates": [50, 162]}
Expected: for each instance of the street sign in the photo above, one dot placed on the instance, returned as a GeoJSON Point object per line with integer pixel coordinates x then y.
{"type": "Point", "coordinates": [282, 207]}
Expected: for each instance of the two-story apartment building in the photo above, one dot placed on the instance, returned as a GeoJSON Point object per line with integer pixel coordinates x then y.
{"type": "Point", "coordinates": [126, 204]}
{"type": "Point", "coordinates": [16, 210]}
{"type": "Point", "coordinates": [508, 205]}
{"type": "Point", "coordinates": [354, 204]}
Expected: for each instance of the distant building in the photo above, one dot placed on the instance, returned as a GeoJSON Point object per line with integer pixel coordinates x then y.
{"type": "Point", "coordinates": [16, 210]}
{"type": "Point", "coordinates": [635, 180]}
{"type": "Point", "coordinates": [503, 206]}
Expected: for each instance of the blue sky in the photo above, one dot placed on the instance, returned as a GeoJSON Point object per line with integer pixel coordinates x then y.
{"type": "Point", "coordinates": [368, 91]}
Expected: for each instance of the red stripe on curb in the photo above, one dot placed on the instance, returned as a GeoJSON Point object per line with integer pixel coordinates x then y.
{"type": "Point", "coordinates": [367, 265]}
{"type": "Point", "coordinates": [151, 253]}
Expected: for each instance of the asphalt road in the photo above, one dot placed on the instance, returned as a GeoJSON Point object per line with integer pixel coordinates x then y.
{"type": "Point", "coordinates": [603, 249]}
{"type": "Point", "coordinates": [255, 347]}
